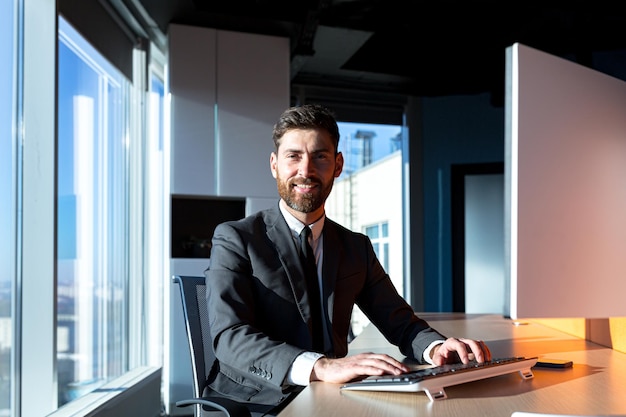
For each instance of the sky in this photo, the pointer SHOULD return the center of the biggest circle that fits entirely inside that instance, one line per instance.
(382, 143)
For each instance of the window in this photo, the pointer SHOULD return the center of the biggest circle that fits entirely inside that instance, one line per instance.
(92, 218)
(8, 202)
(379, 236)
(155, 216)
(363, 144)
(81, 216)
(370, 188)
(368, 196)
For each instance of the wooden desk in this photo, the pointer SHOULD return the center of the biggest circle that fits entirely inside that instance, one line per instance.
(595, 385)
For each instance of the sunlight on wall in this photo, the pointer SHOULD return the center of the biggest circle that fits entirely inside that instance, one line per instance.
(609, 332)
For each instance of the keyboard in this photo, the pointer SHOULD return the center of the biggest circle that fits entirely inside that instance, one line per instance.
(433, 380)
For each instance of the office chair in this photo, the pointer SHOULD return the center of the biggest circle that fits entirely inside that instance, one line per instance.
(192, 293)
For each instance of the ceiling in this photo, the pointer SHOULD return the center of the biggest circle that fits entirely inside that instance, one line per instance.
(409, 47)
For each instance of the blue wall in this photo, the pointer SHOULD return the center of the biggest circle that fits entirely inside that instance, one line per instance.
(459, 130)
(456, 130)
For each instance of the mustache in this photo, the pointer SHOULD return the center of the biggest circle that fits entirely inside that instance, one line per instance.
(305, 181)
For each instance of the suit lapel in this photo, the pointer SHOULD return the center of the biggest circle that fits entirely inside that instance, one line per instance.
(279, 233)
(330, 267)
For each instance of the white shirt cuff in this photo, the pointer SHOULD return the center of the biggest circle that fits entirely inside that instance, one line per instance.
(426, 354)
(300, 372)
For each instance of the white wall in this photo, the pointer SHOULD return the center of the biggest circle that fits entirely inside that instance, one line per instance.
(227, 91)
(193, 90)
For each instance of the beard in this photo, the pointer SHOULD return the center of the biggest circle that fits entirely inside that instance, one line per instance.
(304, 203)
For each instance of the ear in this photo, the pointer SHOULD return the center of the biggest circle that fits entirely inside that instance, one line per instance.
(338, 164)
(273, 162)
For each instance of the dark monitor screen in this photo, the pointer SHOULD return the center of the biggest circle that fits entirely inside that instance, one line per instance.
(194, 219)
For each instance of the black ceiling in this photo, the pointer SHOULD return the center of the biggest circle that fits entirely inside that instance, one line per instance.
(409, 47)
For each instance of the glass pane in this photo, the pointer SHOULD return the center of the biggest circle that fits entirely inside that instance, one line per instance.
(92, 218)
(385, 256)
(8, 202)
(372, 232)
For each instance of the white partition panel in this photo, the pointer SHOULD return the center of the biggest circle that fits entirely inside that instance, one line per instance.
(565, 188)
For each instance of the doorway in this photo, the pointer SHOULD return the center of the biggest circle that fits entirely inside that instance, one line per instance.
(477, 208)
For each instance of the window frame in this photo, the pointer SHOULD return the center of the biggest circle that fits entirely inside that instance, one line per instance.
(36, 279)
(35, 341)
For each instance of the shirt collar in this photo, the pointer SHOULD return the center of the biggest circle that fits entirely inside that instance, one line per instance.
(296, 225)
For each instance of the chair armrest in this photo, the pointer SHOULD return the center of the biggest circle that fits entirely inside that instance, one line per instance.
(231, 407)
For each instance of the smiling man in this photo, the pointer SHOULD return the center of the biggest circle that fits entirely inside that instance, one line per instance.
(262, 311)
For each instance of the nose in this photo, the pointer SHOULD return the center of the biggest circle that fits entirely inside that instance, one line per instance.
(306, 166)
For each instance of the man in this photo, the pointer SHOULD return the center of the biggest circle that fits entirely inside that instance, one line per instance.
(260, 311)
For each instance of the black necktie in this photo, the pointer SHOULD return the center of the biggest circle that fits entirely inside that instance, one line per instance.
(313, 289)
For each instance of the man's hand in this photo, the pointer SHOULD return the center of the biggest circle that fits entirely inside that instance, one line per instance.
(460, 350)
(364, 364)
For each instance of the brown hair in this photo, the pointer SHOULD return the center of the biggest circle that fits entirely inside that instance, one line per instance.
(306, 116)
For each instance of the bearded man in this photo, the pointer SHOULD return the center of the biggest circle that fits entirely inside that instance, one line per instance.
(262, 312)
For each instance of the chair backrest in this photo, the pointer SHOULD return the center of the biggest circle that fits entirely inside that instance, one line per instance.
(193, 295)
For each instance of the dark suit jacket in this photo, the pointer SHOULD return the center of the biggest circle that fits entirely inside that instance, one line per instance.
(259, 312)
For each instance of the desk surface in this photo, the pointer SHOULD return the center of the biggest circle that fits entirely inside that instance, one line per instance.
(595, 385)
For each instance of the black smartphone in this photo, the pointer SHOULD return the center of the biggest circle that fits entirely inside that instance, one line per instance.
(553, 363)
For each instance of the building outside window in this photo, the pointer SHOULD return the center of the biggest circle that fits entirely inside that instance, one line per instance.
(368, 196)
